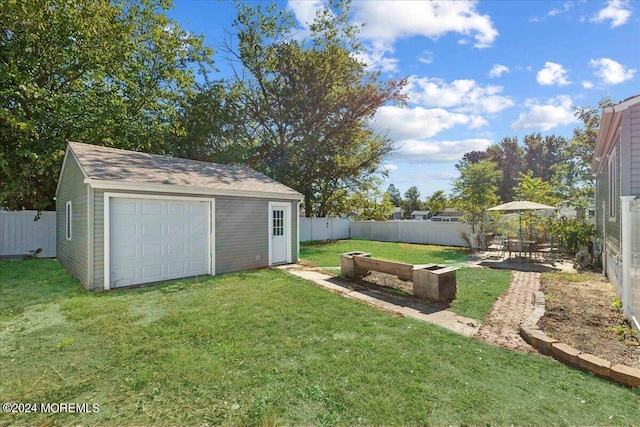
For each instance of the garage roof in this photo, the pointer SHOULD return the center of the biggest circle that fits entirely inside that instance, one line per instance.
(105, 167)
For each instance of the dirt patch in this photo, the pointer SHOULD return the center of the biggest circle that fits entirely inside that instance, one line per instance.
(583, 311)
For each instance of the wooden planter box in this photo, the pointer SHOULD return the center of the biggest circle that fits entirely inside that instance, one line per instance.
(431, 281)
(434, 282)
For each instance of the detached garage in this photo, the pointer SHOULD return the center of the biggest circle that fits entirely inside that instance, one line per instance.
(126, 218)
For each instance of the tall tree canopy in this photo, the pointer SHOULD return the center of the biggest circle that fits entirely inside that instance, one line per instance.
(476, 190)
(394, 195)
(308, 103)
(111, 73)
(437, 202)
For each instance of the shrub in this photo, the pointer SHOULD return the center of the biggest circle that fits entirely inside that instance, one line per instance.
(573, 233)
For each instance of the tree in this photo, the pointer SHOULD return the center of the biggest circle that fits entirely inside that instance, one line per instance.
(368, 203)
(536, 189)
(411, 200)
(582, 145)
(308, 103)
(541, 155)
(471, 157)
(110, 73)
(394, 195)
(437, 202)
(507, 155)
(476, 190)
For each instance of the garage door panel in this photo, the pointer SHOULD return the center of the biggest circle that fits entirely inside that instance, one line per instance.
(155, 240)
(176, 268)
(198, 265)
(152, 208)
(151, 250)
(176, 248)
(151, 230)
(124, 252)
(177, 231)
(153, 271)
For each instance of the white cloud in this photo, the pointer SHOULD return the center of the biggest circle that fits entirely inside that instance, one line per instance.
(422, 151)
(555, 112)
(552, 74)
(498, 70)
(426, 57)
(393, 20)
(463, 95)
(610, 71)
(565, 8)
(389, 168)
(419, 122)
(618, 11)
(388, 21)
(375, 56)
(587, 84)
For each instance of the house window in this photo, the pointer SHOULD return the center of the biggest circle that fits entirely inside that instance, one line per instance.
(67, 222)
(613, 185)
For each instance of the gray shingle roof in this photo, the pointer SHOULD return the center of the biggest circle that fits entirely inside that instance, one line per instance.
(115, 165)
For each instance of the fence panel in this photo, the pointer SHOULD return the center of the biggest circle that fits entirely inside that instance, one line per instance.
(425, 232)
(634, 274)
(323, 229)
(19, 233)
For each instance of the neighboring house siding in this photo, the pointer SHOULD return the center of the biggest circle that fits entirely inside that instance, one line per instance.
(72, 254)
(635, 149)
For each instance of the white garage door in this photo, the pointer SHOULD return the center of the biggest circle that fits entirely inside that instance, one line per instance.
(153, 240)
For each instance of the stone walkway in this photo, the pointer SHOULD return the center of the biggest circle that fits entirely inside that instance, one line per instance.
(501, 326)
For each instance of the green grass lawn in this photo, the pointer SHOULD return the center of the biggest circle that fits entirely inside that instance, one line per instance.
(264, 347)
(478, 288)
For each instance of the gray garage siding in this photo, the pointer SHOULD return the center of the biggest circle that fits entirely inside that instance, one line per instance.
(241, 233)
(72, 254)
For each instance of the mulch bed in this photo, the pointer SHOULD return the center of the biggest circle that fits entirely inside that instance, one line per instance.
(587, 316)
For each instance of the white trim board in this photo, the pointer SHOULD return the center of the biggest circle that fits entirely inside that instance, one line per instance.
(177, 189)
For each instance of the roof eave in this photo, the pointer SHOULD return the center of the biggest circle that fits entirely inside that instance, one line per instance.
(69, 153)
(169, 188)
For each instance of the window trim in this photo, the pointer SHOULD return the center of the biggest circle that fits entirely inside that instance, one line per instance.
(68, 221)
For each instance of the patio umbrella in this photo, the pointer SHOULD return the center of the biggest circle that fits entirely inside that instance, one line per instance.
(519, 206)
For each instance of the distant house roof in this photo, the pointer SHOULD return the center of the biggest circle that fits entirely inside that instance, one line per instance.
(420, 213)
(104, 167)
(449, 213)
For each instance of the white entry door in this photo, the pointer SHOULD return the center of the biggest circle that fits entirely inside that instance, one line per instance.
(152, 240)
(279, 234)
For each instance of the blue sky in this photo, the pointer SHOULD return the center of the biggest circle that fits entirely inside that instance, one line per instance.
(478, 70)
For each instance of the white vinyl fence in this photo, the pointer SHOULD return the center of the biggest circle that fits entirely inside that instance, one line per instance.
(426, 232)
(323, 229)
(19, 233)
(631, 277)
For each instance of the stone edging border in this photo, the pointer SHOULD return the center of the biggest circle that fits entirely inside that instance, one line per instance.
(532, 334)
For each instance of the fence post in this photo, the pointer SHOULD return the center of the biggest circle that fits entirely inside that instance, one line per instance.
(625, 236)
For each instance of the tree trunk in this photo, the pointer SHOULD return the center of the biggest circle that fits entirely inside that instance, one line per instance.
(308, 208)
